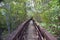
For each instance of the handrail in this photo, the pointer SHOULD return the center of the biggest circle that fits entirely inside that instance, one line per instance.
(44, 33)
(15, 35)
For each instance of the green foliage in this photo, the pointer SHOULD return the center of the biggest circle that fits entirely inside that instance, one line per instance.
(44, 11)
(2, 20)
(49, 14)
(14, 12)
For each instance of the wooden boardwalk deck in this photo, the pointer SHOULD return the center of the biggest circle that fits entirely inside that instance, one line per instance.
(29, 30)
(32, 33)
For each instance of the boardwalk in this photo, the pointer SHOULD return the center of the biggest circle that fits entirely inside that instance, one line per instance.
(32, 32)
(29, 30)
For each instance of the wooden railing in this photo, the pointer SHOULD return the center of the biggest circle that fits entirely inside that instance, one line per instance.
(44, 33)
(18, 33)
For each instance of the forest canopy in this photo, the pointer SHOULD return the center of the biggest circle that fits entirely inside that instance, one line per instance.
(14, 12)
